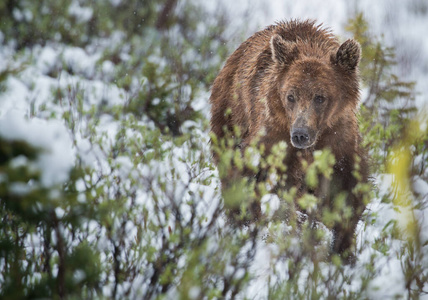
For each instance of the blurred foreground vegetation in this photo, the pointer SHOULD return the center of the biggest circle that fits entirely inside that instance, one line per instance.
(144, 218)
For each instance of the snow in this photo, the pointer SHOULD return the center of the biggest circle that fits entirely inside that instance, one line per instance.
(56, 158)
(46, 60)
(79, 72)
(15, 96)
(22, 15)
(20, 188)
(79, 61)
(83, 14)
(331, 13)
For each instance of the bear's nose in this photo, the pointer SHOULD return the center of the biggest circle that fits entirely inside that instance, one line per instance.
(300, 137)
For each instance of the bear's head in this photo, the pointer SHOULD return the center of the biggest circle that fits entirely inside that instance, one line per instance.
(314, 87)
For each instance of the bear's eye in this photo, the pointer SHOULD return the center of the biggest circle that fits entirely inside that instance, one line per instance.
(290, 98)
(319, 99)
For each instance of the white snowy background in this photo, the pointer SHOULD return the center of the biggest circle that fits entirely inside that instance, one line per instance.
(396, 22)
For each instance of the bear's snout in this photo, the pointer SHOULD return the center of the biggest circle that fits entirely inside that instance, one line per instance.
(301, 137)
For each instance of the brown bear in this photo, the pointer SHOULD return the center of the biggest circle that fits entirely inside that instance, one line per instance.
(295, 82)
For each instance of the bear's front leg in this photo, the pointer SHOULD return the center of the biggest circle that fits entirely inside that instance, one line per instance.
(344, 237)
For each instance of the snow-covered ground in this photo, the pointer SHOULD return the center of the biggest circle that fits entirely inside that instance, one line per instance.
(396, 22)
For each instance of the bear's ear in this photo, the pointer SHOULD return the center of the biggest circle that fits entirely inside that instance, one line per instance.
(348, 55)
(283, 52)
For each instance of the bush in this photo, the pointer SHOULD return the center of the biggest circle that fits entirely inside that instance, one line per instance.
(107, 185)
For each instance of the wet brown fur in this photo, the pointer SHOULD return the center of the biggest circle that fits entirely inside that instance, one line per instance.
(306, 61)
